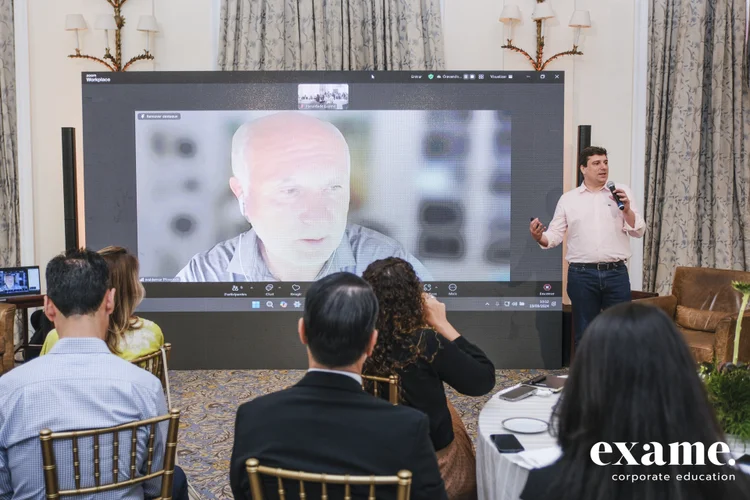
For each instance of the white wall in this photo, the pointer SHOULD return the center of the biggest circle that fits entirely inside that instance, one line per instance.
(186, 42)
(599, 88)
(599, 84)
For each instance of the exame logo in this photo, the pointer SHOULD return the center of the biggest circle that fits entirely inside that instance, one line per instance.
(675, 454)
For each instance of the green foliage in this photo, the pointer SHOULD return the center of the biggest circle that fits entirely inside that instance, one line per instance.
(744, 289)
(729, 393)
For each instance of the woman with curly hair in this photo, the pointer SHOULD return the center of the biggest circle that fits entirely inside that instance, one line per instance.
(128, 336)
(417, 342)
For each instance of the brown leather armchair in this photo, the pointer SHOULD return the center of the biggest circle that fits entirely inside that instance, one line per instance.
(7, 321)
(705, 307)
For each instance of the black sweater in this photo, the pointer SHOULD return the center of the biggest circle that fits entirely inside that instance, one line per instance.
(461, 365)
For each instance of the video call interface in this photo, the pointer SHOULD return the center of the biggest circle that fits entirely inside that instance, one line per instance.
(19, 281)
(237, 192)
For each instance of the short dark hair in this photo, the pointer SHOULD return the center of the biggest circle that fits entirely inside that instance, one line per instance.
(588, 152)
(77, 281)
(340, 314)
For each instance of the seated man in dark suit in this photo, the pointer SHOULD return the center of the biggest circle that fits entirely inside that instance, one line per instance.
(327, 423)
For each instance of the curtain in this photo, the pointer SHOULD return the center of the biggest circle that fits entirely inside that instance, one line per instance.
(10, 243)
(330, 35)
(698, 125)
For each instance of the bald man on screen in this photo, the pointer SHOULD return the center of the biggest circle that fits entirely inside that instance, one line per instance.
(291, 178)
(8, 284)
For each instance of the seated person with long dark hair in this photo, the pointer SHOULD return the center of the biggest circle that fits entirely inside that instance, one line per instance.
(633, 381)
(417, 342)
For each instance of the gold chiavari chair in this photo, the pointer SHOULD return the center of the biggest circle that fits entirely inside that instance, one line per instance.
(402, 481)
(393, 387)
(156, 362)
(49, 460)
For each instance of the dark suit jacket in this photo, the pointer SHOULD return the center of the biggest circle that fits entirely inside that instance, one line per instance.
(328, 424)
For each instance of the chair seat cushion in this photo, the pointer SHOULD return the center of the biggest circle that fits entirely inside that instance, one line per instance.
(701, 344)
(699, 319)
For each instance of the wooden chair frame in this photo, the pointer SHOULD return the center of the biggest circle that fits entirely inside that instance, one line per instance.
(393, 387)
(402, 481)
(51, 481)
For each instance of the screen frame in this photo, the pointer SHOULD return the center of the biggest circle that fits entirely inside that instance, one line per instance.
(235, 340)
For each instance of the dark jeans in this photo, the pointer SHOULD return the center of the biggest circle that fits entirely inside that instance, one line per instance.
(592, 291)
(179, 485)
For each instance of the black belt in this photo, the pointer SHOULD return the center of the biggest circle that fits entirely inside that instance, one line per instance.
(599, 266)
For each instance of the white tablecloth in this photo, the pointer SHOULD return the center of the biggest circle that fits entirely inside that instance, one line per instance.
(502, 476)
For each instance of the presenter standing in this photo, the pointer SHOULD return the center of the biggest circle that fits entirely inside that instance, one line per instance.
(599, 218)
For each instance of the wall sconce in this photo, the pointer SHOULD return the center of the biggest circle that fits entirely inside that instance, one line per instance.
(148, 25)
(114, 22)
(75, 22)
(542, 11)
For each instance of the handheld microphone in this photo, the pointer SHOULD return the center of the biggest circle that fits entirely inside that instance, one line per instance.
(611, 187)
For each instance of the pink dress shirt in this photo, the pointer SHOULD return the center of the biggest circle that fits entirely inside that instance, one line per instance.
(597, 231)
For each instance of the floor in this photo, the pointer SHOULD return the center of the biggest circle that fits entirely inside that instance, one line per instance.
(209, 399)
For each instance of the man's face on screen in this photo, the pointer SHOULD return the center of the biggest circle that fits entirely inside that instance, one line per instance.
(297, 194)
(9, 280)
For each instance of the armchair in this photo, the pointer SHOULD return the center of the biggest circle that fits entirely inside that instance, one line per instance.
(704, 306)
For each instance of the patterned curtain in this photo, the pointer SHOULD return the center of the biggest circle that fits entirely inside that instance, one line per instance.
(330, 35)
(10, 254)
(697, 200)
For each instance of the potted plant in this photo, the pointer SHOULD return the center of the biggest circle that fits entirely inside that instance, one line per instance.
(728, 386)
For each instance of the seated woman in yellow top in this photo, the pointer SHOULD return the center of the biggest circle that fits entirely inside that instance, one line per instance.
(128, 336)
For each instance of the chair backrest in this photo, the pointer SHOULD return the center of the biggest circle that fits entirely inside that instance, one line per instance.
(708, 289)
(393, 386)
(155, 363)
(402, 481)
(49, 460)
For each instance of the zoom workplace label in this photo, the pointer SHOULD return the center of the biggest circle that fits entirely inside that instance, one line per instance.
(653, 453)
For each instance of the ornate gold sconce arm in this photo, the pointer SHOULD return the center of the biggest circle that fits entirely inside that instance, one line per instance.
(511, 14)
(115, 62)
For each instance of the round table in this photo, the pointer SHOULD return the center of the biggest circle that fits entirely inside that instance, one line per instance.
(502, 476)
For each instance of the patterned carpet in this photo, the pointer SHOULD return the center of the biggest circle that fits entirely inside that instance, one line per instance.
(209, 399)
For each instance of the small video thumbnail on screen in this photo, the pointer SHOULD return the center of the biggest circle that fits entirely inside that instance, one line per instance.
(318, 96)
(294, 195)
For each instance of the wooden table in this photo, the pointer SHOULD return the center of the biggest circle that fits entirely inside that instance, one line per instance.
(24, 303)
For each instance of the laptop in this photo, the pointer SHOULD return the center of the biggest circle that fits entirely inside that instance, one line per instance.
(17, 281)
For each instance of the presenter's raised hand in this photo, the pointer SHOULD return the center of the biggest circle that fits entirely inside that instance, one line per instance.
(537, 230)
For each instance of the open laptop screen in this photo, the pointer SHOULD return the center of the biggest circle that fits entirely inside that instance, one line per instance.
(16, 281)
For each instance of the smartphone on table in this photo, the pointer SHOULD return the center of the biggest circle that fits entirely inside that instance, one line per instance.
(507, 443)
(518, 393)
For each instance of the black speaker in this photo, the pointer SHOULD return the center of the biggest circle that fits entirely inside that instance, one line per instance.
(584, 141)
(70, 198)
